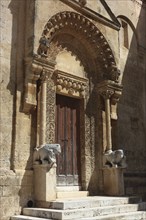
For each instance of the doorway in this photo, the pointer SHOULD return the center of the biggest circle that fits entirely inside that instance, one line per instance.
(67, 134)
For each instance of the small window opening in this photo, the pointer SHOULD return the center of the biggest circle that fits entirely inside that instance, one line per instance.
(125, 34)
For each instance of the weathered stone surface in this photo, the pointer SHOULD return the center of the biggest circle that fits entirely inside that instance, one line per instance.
(86, 210)
(45, 182)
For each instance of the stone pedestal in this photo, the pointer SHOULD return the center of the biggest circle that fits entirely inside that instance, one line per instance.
(113, 181)
(44, 182)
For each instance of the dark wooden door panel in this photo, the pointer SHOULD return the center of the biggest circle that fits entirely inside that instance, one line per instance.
(67, 135)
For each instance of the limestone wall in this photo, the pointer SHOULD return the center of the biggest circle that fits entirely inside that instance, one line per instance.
(15, 143)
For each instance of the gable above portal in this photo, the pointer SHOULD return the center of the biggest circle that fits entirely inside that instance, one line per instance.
(97, 10)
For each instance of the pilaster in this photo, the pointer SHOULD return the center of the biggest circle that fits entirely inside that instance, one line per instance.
(111, 92)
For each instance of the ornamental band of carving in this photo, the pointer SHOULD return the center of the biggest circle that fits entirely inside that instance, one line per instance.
(79, 25)
(50, 108)
(69, 84)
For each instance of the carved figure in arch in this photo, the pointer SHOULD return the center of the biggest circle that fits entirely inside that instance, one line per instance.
(46, 154)
(115, 158)
(43, 48)
(114, 73)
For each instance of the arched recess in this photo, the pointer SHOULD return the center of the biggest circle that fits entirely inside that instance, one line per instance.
(79, 35)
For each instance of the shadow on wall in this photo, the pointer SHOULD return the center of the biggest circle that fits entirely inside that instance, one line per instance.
(94, 114)
(23, 142)
(131, 124)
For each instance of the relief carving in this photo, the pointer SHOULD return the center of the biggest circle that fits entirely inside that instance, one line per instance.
(69, 84)
(80, 26)
(110, 89)
(50, 114)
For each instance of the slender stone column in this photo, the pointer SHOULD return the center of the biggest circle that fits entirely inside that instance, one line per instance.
(107, 95)
(42, 132)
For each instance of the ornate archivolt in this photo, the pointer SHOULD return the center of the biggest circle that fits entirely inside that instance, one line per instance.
(80, 27)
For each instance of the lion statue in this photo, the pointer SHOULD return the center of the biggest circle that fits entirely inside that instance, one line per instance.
(46, 154)
(115, 158)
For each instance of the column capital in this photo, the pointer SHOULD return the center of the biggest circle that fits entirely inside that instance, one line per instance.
(110, 90)
(106, 93)
(45, 74)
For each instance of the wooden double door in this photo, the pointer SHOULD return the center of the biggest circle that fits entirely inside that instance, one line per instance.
(67, 134)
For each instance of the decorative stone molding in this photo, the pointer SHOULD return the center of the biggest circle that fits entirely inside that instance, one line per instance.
(70, 84)
(110, 89)
(97, 17)
(107, 93)
(80, 27)
(37, 68)
(50, 111)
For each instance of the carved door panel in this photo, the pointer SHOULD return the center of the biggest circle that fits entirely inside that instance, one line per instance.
(68, 136)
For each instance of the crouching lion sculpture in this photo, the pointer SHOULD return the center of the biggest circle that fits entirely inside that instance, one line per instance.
(115, 158)
(46, 154)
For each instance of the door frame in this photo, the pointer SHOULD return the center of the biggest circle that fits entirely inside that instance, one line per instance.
(68, 85)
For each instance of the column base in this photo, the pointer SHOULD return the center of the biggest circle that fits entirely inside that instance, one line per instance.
(113, 181)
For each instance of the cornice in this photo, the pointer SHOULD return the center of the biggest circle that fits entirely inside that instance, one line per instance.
(92, 14)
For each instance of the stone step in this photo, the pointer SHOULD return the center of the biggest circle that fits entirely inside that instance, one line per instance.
(140, 215)
(95, 201)
(71, 194)
(82, 212)
(24, 217)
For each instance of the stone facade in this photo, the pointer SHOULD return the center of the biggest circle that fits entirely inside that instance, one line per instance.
(80, 49)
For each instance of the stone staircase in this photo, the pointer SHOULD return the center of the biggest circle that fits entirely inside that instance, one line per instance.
(88, 208)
